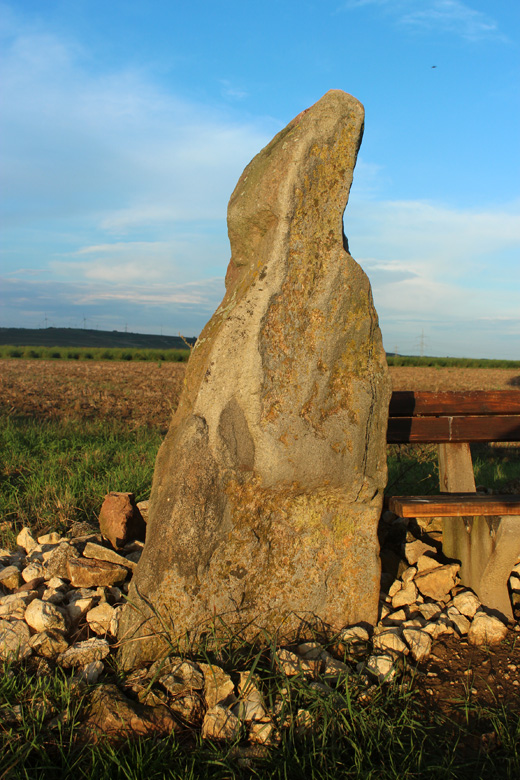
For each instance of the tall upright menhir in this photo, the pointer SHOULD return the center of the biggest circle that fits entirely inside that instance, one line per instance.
(268, 487)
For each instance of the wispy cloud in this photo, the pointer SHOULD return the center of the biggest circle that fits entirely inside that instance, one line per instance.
(434, 268)
(451, 16)
(113, 146)
(232, 91)
(180, 307)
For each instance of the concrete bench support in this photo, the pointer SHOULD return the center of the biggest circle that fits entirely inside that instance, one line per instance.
(487, 547)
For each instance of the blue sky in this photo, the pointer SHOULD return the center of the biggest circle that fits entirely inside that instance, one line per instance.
(125, 126)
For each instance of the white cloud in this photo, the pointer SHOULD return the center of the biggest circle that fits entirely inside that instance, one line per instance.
(430, 239)
(451, 16)
(113, 146)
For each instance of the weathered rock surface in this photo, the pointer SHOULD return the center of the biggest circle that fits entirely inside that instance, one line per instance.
(120, 520)
(89, 572)
(437, 583)
(44, 616)
(115, 715)
(10, 578)
(486, 630)
(220, 724)
(14, 639)
(83, 653)
(268, 488)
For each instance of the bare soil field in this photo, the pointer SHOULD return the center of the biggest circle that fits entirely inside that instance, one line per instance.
(147, 393)
(409, 378)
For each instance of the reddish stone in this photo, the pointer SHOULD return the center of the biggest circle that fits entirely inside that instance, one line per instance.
(120, 521)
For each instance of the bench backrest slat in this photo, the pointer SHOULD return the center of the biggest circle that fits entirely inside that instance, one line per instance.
(453, 429)
(472, 416)
(411, 403)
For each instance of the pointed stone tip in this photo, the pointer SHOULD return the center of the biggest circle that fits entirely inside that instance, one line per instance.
(333, 98)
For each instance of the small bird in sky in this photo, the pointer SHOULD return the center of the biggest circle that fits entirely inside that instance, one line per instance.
(434, 66)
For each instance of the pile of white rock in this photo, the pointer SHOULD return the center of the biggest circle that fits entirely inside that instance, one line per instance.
(63, 598)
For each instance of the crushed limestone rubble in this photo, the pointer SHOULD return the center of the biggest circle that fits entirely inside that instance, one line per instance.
(49, 611)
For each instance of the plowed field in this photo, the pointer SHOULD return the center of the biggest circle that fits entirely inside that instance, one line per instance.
(147, 393)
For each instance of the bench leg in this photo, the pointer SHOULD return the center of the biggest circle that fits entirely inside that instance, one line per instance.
(488, 548)
(456, 468)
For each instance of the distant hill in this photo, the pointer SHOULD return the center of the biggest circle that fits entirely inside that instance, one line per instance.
(82, 337)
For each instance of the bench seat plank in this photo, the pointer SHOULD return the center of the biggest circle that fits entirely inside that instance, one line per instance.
(455, 505)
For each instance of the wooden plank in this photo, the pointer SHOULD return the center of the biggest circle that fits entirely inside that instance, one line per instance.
(411, 403)
(455, 505)
(453, 429)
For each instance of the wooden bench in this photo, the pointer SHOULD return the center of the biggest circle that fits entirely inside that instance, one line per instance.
(481, 531)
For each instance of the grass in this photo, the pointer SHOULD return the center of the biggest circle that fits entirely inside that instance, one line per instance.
(449, 362)
(387, 731)
(413, 468)
(94, 353)
(182, 356)
(53, 473)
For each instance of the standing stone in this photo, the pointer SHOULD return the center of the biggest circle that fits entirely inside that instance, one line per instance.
(268, 487)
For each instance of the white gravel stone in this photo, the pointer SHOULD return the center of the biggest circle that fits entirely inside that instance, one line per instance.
(114, 623)
(354, 634)
(332, 668)
(467, 603)
(10, 577)
(101, 553)
(83, 653)
(251, 705)
(409, 574)
(419, 642)
(57, 583)
(48, 644)
(437, 583)
(14, 639)
(52, 538)
(44, 616)
(430, 611)
(486, 630)
(26, 540)
(414, 550)
(292, 664)
(440, 627)
(460, 623)
(417, 622)
(395, 618)
(262, 732)
(53, 595)
(33, 571)
(77, 608)
(390, 643)
(218, 685)
(91, 672)
(220, 723)
(99, 618)
(184, 679)
(405, 596)
(14, 604)
(310, 651)
(426, 562)
(382, 667)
